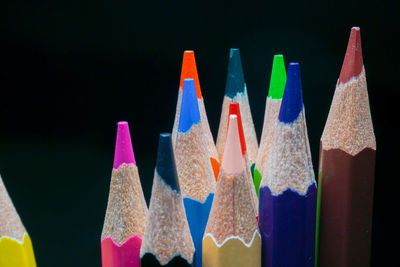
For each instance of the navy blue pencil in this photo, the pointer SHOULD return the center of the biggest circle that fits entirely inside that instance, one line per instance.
(288, 191)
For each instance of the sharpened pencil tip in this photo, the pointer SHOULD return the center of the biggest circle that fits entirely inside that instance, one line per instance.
(292, 102)
(278, 78)
(165, 166)
(189, 70)
(234, 109)
(123, 146)
(232, 160)
(353, 61)
(189, 113)
(235, 79)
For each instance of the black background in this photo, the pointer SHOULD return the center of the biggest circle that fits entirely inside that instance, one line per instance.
(72, 69)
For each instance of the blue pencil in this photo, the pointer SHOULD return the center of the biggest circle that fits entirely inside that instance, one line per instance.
(195, 173)
(288, 191)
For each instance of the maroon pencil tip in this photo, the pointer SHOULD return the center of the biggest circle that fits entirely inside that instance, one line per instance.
(353, 61)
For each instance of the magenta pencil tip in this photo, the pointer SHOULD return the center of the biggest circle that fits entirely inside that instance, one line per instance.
(123, 146)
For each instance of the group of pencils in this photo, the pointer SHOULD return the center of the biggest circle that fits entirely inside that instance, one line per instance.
(240, 202)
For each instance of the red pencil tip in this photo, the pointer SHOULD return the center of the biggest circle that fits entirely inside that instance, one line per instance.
(189, 70)
(353, 61)
(234, 109)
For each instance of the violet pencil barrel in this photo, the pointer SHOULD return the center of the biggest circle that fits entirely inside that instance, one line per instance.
(287, 226)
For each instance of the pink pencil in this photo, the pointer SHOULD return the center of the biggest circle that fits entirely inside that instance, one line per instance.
(126, 210)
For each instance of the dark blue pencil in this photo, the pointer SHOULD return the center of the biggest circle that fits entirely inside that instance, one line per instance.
(288, 190)
(167, 240)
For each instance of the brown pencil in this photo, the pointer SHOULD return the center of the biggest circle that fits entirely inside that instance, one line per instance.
(346, 168)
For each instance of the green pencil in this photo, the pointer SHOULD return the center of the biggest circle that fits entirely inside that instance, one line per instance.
(272, 107)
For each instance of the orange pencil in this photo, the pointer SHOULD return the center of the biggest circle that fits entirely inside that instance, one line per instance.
(189, 70)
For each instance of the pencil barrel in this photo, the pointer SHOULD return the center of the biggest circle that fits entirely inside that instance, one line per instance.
(233, 252)
(197, 216)
(149, 260)
(287, 226)
(124, 255)
(346, 207)
(16, 253)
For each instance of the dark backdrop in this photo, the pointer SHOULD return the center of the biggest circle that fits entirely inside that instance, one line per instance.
(72, 69)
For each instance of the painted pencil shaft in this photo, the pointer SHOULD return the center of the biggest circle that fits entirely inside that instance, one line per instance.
(233, 252)
(15, 253)
(124, 254)
(346, 207)
(346, 168)
(15, 244)
(288, 192)
(125, 218)
(149, 260)
(167, 240)
(287, 226)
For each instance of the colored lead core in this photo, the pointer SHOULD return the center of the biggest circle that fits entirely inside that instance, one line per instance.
(123, 146)
(353, 60)
(189, 71)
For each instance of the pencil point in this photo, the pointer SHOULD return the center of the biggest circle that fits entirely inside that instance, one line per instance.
(165, 165)
(189, 70)
(123, 146)
(278, 78)
(190, 113)
(234, 109)
(353, 61)
(292, 102)
(232, 161)
(235, 79)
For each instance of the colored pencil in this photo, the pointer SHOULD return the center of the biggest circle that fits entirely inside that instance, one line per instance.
(288, 192)
(167, 240)
(236, 91)
(196, 177)
(232, 237)
(15, 244)
(125, 218)
(346, 167)
(189, 70)
(234, 109)
(272, 107)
